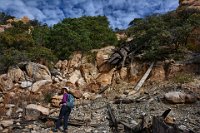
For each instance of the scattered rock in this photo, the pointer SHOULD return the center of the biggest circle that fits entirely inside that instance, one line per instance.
(37, 85)
(179, 97)
(25, 84)
(19, 110)
(6, 123)
(55, 100)
(33, 111)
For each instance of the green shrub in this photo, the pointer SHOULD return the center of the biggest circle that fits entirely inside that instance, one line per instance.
(182, 78)
(169, 30)
(80, 34)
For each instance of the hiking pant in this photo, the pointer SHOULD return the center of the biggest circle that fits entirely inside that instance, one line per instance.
(64, 113)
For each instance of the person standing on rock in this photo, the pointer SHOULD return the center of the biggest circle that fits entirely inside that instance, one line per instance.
(66, 104)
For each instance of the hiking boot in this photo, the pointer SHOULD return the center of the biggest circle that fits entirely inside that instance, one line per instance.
(55, 130)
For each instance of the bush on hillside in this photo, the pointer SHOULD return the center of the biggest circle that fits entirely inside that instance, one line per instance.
(162, 35)
(80, 34)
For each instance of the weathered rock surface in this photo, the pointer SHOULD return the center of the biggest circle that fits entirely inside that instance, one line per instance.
(189, 5)
(33, 111)
(6, 123)
(105, 78)
(179, 97)
(5, 82)
(55, 100)
(38, 71)
(15, 74)
(38, 85)
(102, 56)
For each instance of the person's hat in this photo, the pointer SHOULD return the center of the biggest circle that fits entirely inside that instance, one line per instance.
(67, 88)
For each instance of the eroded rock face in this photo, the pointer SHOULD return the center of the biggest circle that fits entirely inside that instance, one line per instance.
(189, 5)
(6, 83)
(16, 74)
(105, 78)
(88, 71)
(102, 56)
(158, 73)
(38, 71)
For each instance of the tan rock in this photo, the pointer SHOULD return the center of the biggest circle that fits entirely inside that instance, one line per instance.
(123, 73)
(190, 6)
(180, 97)
(39, 108)
(92, 87)
(55, 100)
(89, 72)
(58, 65)
(38, 71)
(175, 97)
(105, 78)
(16, 74)
(76, 93)
(75, 60)
(38, 85)
(137, 70)
(102, 56)
(158, 73)
(5, 82)
(74, 76)
(80, 82)
(6, 123)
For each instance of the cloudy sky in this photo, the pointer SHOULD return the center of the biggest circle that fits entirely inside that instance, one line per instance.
(119, 12)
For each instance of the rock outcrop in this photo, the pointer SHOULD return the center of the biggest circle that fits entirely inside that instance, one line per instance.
(189, 6)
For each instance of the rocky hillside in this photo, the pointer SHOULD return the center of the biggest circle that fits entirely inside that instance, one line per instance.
(115, 89)
(29, 93)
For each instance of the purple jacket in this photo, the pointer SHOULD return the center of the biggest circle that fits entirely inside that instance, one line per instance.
(64, 99)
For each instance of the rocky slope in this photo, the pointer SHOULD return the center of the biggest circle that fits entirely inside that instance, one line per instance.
(29, 91)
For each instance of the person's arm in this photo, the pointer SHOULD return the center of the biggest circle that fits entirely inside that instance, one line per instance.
(64, 99)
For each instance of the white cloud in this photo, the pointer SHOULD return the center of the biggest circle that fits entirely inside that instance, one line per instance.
(119, 12)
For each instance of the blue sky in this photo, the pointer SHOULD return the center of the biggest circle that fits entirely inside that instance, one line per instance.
(119, 12)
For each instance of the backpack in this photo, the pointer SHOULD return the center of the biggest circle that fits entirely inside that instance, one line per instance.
(70, 101)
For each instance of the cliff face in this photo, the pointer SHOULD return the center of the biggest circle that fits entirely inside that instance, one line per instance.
(189, 6)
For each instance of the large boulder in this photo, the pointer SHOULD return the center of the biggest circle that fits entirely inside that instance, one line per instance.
(6, 83)
(38, 71)
(33, 111)
(38, 85)
(15, 74)
(105, 79)
(179, 97)
(74, 76)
